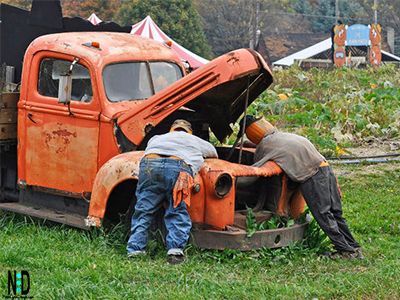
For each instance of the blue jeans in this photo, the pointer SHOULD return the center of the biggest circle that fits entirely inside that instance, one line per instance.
(157, 177)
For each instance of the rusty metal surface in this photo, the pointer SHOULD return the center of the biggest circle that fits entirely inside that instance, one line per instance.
(268, 169)
(58, 147)
(206, 206)
(219, 72)
(60, 154)
(236, 238)
(115, 46)
(120, 168)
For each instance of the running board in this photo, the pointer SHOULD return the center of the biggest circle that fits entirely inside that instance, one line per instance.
(70, 219)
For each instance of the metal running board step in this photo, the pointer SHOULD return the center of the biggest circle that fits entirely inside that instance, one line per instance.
(47, 214)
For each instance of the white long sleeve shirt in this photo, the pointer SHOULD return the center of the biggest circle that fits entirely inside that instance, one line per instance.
(190, 148)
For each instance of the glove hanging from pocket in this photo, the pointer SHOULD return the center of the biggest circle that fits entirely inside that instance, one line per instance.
(182, 189)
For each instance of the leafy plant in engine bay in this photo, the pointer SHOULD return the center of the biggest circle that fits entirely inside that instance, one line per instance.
(274, 222)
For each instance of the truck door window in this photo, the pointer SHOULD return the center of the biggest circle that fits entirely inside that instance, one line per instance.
(132, 81)
(49, 75)
(164, 74)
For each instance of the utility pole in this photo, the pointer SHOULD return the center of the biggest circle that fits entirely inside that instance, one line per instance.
(375, 11)
(257, 21)
(337, 12)
(253, 41)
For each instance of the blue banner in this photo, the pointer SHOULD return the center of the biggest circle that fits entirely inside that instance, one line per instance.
(357, 35)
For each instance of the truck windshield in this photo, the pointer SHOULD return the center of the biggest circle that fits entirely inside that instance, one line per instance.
(138, 80)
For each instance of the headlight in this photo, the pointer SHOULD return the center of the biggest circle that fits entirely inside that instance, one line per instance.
(223, 185)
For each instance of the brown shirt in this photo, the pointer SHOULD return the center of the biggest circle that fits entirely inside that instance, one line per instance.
(296, 155)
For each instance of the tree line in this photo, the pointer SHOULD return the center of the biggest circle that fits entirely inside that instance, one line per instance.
(212, 27)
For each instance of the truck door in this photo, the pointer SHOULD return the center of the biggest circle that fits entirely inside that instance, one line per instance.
(59, 144)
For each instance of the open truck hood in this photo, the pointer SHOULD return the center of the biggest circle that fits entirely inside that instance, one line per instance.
(218, 90)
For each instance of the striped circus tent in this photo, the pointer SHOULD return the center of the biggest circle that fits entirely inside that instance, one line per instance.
(94, 19)
(149, 29)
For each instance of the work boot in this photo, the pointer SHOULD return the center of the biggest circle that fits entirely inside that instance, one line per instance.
(175, 256)
(359, 253)
(346, 255)
(136, 253)
(175, 259)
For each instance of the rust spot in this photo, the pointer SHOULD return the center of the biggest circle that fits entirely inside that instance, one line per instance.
(232, 58)
(64, 132)
(148, 128)
(47, 138)
(58, 139)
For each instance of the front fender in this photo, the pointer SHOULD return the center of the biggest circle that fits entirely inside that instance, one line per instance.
(118, 169)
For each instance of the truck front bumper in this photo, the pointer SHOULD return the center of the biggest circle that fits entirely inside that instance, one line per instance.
(236, 238)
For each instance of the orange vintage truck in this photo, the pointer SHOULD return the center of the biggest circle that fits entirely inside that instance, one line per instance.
(88, 104)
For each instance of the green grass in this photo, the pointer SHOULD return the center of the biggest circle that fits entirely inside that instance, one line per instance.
(65, 263)
(334, 108)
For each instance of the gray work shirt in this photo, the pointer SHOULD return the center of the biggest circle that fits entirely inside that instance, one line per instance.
(190, 148)
(296, 155)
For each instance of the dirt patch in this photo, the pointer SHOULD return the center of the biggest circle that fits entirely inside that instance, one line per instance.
(375, 147)
(366, 169)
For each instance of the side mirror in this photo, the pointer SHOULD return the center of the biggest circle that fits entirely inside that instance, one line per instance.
(65, 89)
(65, 85)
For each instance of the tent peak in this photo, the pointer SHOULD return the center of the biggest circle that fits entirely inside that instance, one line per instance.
(94, 19)
(149, 29)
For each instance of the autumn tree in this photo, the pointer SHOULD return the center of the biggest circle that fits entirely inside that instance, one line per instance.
(227, 24)
(24, 4)
(177, 18)
(388, 16)
(104, 9)
(230, 24)
(321, 13)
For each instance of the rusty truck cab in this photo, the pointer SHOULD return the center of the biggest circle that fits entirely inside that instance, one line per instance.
(61, 148)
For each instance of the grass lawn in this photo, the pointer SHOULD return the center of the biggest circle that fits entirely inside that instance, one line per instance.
(65, 263)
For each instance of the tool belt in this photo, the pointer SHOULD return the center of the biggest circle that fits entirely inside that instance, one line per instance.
(184, 183)
(153, 155)
(182, 189)
(324, 164)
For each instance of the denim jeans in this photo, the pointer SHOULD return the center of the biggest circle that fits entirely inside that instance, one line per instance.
(157, 177)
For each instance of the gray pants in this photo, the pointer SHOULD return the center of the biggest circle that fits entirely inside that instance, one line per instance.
(323, 198)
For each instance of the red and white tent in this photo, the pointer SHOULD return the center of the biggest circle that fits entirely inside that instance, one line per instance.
(147, 28)
(94, 19)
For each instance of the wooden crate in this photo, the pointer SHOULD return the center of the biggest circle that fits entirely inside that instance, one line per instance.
(8, 100)
(8, 131)
(8, 115)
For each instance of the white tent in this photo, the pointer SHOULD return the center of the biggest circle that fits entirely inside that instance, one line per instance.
(319, 48)
(147, 28)
(94, 19)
